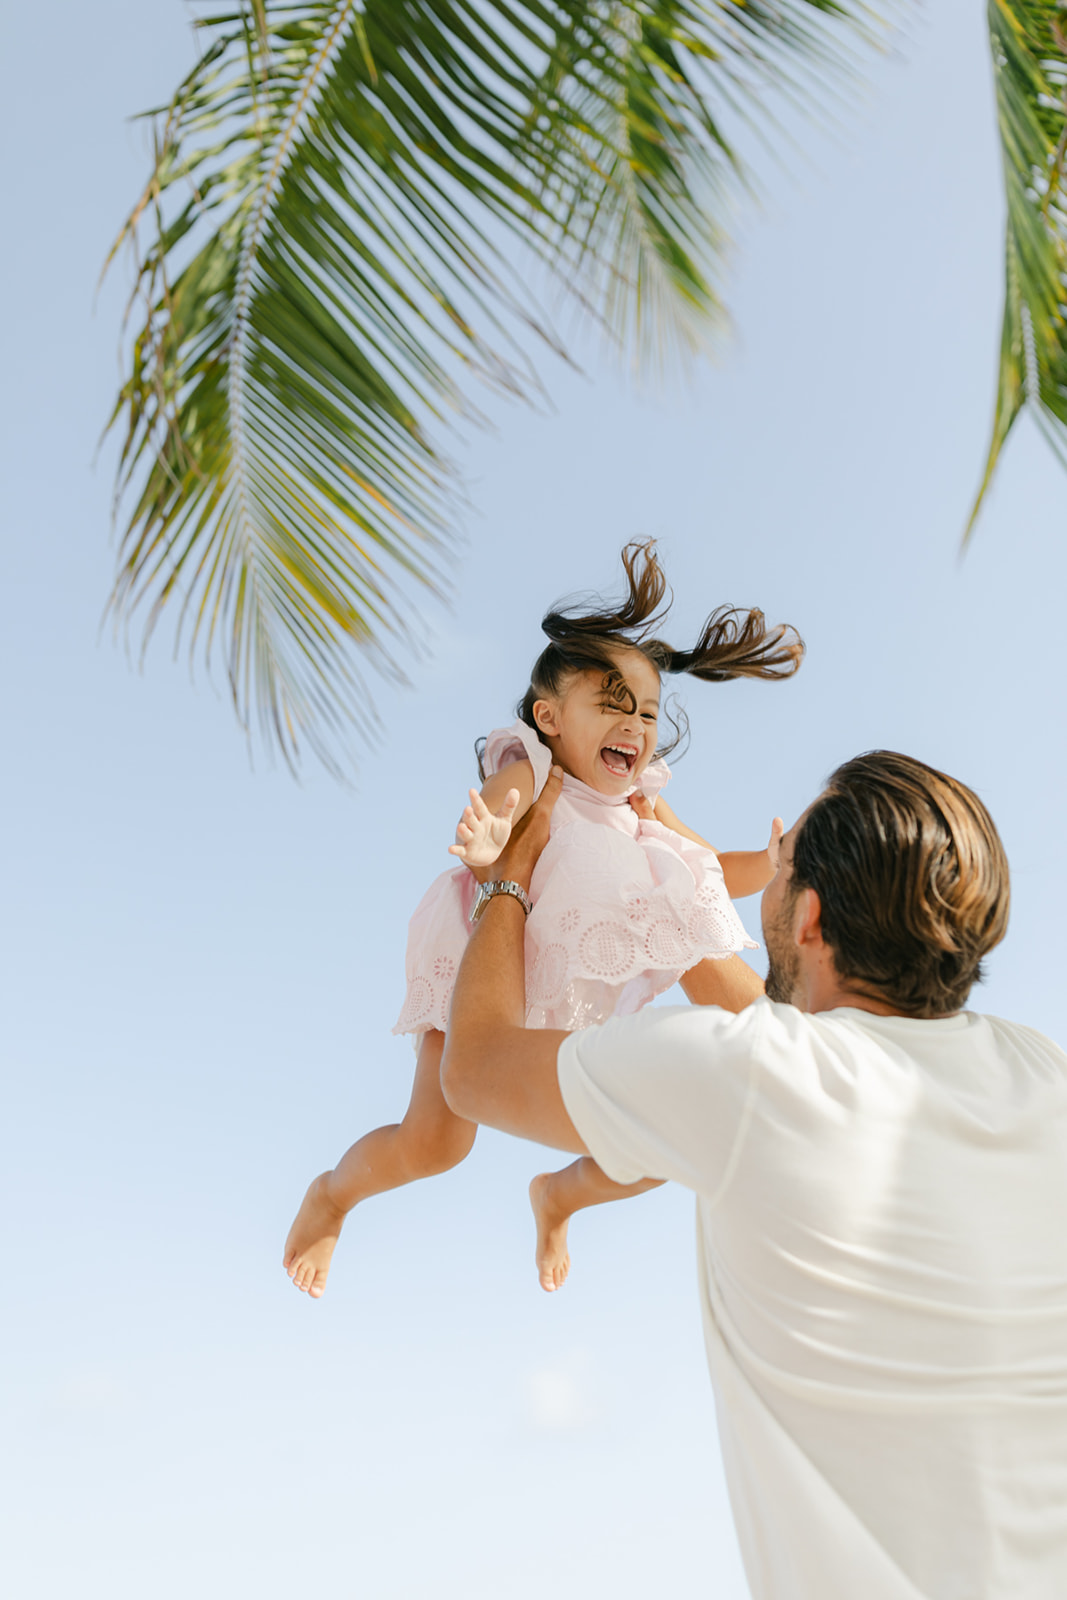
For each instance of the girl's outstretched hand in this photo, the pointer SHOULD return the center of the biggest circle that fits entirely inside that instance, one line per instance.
(481, 833)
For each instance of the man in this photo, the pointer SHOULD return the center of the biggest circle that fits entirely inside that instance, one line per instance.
(881, 1182)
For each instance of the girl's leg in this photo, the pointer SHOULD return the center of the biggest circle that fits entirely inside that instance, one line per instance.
(430, 1139)
(556, 1196)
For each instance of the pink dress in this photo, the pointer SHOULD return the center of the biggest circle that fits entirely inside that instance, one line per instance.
(621, 907)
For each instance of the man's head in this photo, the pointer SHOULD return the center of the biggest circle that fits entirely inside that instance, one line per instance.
(901, 875)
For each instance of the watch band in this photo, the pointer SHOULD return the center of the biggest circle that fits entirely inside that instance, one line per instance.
(486, 892)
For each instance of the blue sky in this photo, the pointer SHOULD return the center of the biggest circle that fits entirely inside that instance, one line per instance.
(204, 961)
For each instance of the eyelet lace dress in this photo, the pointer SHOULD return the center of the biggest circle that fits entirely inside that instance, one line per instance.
(621, 907)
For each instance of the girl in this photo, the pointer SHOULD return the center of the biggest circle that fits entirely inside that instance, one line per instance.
(625, 899)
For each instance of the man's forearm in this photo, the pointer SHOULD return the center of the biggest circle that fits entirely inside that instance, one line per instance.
(495, 1070)
(490, 990)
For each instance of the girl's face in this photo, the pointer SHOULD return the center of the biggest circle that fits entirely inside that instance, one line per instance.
(597, 741)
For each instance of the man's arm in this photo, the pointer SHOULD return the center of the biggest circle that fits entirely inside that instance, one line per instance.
(495, 1070)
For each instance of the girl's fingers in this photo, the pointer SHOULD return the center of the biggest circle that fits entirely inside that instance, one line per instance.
(511, 800)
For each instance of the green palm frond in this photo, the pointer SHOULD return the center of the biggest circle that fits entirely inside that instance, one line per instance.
(326, 266)
(1029, 47)
(660, 166)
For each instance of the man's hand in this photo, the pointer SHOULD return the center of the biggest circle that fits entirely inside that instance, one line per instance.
(530, 834)
(643, 806)
(481, 834)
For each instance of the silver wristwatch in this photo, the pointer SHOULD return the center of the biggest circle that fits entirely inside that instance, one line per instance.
(486, 891)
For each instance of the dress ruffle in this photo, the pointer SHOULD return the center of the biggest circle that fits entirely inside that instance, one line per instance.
(621, 908)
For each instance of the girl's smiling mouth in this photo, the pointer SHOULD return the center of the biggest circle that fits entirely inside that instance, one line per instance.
(619, 758)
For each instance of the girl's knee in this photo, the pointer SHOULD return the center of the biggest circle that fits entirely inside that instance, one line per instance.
(439, 1146)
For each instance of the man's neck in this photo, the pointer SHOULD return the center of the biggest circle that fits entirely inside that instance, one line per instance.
(821, 989)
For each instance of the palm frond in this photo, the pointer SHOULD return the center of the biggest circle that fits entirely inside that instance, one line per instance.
(1029, 49)
(328, 272)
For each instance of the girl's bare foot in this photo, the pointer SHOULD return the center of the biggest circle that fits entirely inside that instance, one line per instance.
(553, 1260)
(310, 1245)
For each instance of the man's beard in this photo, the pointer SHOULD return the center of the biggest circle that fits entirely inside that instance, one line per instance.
(780, 984)
(783, 962)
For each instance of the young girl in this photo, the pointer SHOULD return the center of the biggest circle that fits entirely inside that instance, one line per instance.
(625, 898)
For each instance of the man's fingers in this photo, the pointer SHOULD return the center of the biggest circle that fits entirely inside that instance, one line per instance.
(540, 812)
(530, 834)
(549, 795)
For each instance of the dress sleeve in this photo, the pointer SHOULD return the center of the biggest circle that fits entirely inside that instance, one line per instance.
(664, 1094)
(655, 777)
(517, 743)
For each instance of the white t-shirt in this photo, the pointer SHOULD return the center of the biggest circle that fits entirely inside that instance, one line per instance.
(882, 1235)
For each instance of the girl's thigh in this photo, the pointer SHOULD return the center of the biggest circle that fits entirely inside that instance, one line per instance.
(429, 1111)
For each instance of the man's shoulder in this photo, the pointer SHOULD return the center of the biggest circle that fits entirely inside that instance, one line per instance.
(1020, 1036)
(658, 1035)
(763, 1019)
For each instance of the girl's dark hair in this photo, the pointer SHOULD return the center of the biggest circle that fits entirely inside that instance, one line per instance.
(585, 635)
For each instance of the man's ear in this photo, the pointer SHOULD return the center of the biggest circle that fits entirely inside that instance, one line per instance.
(807, 918)
(544, 714)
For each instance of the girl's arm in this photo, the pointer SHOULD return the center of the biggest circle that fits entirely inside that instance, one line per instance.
(745, 871)
(485, 826)
(663, 813)
(750, 871)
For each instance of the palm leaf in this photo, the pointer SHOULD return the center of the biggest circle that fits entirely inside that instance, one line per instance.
(1029, 51)
(326, 259)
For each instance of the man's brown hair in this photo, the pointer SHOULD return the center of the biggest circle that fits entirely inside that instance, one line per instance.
(912, 878)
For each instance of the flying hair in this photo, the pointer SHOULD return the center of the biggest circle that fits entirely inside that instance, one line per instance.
(587, 634)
